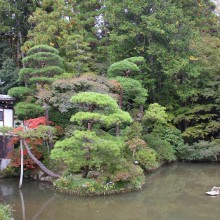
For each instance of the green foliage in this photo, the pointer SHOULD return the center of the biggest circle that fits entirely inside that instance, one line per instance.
(123, 68)
(42, 63)
(95, 100)
(143, 155)
(102, 109)
(147, 159)
(20, 93)
(81, 117)
(161, 52)
(10, 172)
(154, 116)
(8, 75)
(58, 118)
(74, 150)
(161, 33)
(129, 173)
(134, 130)
(103, 184)
(62, 90)
(205, 20)
(118, 117)
(14, 28)
(136, 60)
(203, 151)
(5, 212)
(134, 94)
(46, 58)
(42, 48)
(106, 120)
(164, 149)
(201, 120)
(49, 25)
(77, 54)
(172, 135)
(26, 110)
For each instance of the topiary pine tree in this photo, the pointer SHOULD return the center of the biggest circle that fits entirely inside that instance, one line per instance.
(86, 148)
(125, 67)
(131, 93)
(100, 108)
(41, 65)
(130, 90)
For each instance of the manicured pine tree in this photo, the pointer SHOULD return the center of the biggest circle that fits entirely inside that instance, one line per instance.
(130, 90)
(85, 146)
(100, 108)
(42, 63)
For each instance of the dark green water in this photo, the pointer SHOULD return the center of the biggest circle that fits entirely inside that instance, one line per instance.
(174, 192)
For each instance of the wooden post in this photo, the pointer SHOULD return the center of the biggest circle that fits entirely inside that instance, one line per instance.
(22, 164)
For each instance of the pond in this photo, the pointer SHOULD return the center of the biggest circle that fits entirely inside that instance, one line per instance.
(172, 192)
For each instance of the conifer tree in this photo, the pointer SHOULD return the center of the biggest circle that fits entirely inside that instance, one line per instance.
(42, 63)
(86, 147)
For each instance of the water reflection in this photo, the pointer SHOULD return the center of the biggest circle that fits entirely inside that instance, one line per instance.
(6, 190)
(173, 192)
(22, 204)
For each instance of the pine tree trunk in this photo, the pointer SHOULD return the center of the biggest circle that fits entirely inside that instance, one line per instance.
(47, 171)
(86, 171)
(89, 125)
(117, 130)
(120, 99)
(20, 42)
(141, 112)
(47, 116)
(86, 167)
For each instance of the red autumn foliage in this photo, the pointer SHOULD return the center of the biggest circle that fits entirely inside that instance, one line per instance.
(13, 141)
(28, 162)
(36, 122)
(15, 155)
(32, 123)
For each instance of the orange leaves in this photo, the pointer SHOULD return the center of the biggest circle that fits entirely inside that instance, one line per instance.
(13, 141)
(35, 122)
(28, 162)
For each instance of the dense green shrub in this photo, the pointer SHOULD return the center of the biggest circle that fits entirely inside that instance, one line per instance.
(8, 75)
(20, 92)
(10, 172)
(132, 131)
(73, 151)
(154, 116)
(26, 110)
(5, 212)
(143, 155)
(172, 135)
(203, 151)
(147, 159)
(126, 173)
(58, 118)
(165, 152)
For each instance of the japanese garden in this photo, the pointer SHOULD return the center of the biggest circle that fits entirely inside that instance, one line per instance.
(101, 98)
